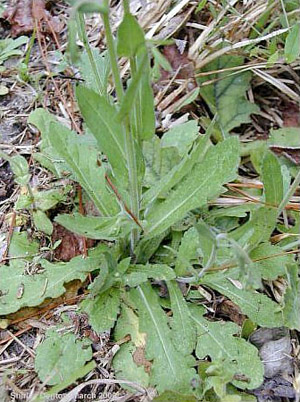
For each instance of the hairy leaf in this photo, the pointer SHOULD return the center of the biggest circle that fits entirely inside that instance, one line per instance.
(217, 340)
(227, 95)
(95, 227)
(102, 66)
(53, 356)
(203, 183)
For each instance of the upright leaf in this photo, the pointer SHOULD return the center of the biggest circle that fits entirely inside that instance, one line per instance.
(203, 183)
(292, 44)
(176, 174)
(100, 117)
(130, 36)
(170, 370)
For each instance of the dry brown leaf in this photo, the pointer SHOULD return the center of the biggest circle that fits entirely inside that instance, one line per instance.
(71, 244)
(23, 16)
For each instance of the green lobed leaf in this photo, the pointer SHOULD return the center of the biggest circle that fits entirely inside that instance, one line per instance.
(18, 289)
(217, 340)
(138, 273)
(227, 95)
(103, 309)
(170, 370)
(53, 356)
(203, 183)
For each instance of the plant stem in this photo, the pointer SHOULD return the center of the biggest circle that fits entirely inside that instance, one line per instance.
(84, 38)
(113, 57)
(130, 148)
(289, 193)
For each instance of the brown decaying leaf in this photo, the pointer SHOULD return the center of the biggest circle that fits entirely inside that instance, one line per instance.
(71, 244)
(228, 309)
(178, 61)
(23, 16)
(291, 115)
(140, 359)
